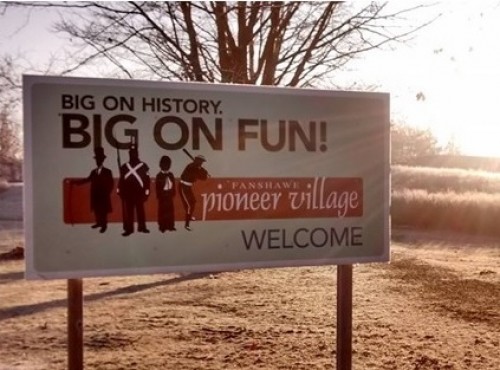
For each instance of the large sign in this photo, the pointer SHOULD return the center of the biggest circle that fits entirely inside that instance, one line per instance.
(132, 177)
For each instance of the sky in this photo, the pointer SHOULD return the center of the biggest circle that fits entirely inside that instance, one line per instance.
(454, 63)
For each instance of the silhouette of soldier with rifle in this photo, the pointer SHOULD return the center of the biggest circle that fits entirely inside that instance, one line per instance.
(133, 188)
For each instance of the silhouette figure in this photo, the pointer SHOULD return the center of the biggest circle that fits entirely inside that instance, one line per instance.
(101, 186)
(165, 192)
(133, 188)
(193, 172)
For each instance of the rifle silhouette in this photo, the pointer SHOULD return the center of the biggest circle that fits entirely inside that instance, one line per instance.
(118, 159)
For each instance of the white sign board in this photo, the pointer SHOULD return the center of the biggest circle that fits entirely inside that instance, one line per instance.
(133, 177)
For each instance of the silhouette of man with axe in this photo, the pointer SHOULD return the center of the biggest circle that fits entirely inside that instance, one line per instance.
(192, 172)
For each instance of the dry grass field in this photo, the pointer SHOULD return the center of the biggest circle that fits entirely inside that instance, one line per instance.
(434, 307)
(446, 199)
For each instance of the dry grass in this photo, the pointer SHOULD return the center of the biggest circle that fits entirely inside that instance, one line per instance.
(470, 300)
(446, 199)
(437, 180)
(475, 213)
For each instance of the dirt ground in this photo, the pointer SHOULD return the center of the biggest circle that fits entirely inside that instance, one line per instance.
(436, 306)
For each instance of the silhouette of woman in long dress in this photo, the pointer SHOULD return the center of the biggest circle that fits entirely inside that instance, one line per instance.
(165, 192)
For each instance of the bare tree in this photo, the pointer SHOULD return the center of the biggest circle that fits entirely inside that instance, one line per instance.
(267, 43)
(10, 84)
(10, 130)
(10, 145)
(409, 143)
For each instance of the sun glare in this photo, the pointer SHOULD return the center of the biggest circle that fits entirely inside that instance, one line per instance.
(446, 79)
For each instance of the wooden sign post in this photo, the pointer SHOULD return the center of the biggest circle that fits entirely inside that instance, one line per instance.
(344, 317)
(75, 324)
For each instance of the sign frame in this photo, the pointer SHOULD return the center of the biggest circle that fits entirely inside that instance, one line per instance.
(283, 99)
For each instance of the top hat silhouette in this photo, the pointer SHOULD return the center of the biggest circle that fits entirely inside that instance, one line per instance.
(99, 153)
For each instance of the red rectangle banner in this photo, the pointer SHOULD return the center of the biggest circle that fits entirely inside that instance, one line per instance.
(235, 199)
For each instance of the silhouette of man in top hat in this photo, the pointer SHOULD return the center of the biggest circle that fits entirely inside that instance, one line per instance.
(193, 172)
(101, 186)
(133, 188)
